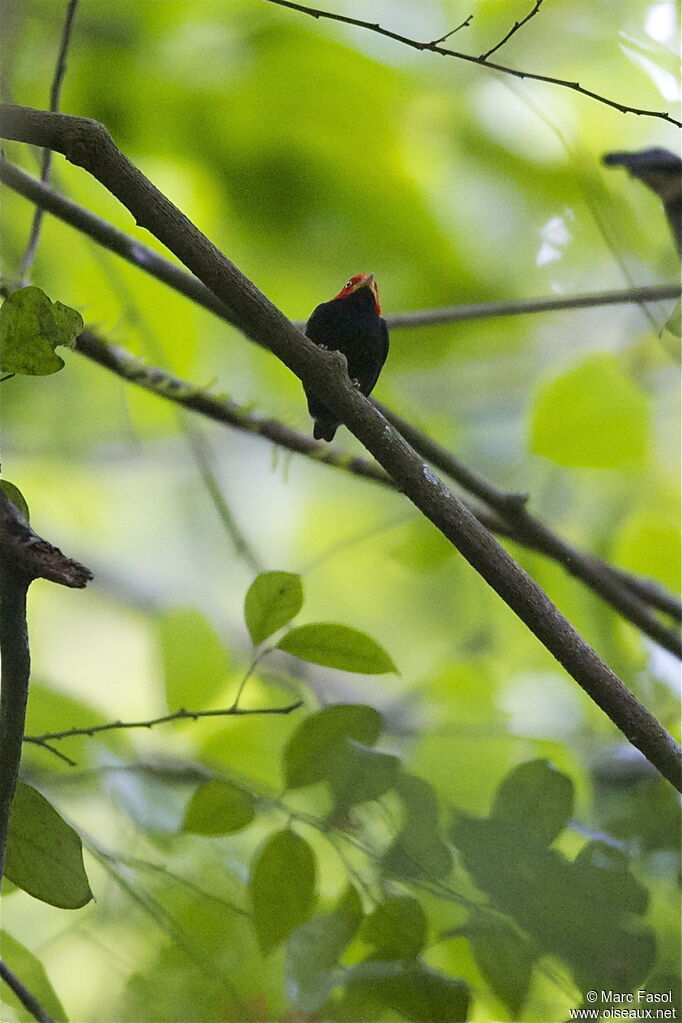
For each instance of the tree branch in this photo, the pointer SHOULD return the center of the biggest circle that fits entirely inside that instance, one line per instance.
(164, 270)
(178, 715)
(55, 95)
(24, 556)
(225, 411)
(88, 144)
(628, 594)
(435, 47)
(29, 1001)
(220, 408)
(533, 533)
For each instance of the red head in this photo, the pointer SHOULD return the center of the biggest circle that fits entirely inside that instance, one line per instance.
(360, 281)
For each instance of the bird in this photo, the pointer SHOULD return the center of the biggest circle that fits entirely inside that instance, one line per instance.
(350, 323)
(661, 170)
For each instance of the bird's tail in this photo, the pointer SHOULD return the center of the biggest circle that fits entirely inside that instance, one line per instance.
(325, 429)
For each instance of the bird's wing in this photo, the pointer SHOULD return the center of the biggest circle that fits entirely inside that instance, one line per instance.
(381, 356)
(318, 320)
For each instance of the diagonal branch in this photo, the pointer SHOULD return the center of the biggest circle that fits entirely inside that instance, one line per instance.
(435, 47)
(145, 258)
(627, 594)
(225, 411)
(88, 144)
(28, 1000)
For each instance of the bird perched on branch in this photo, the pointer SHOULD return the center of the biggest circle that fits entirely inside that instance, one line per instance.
(662, 172)
(351, 323)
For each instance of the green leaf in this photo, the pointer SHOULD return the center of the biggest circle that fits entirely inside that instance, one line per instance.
(337, 646)
(16, 497)
(313, 953)
(32, 975)
(195, 662)
(31, 327)
(359, 773)
(584, 912)
(44, 854)
(504, 955)
(282, 887)
(314, 746)
(397, 927)
(535, 798)
(273, 599)
(593, 416)
(418, 848)
(218, 808)
(414, 990)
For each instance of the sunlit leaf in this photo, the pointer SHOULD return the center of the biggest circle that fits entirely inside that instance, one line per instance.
(282, 887)
(31, 327)
(593, 416)
(273, 599)
(337, 646)
(44, 853)
(195, 662)
(218, 808)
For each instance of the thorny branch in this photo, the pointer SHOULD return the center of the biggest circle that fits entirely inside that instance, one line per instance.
(435, 47)
(88, 144)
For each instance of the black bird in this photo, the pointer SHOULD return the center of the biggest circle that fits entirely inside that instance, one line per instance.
(351, 323)
(662, 172)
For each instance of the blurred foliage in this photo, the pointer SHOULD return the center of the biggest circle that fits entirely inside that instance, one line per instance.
(310, 151)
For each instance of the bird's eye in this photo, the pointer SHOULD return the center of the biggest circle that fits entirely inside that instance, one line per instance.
(348, 284)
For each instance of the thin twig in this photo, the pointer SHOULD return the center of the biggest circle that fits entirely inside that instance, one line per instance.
(434, 47)
(524, 306)
(178, 715)
(46, 165)
(202, 456)
(29, 1001)
(88, 144)
(465, 24)
(513, 30)
(145, 258)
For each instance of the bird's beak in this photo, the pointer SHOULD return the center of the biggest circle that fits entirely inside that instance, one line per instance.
(368, 282)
